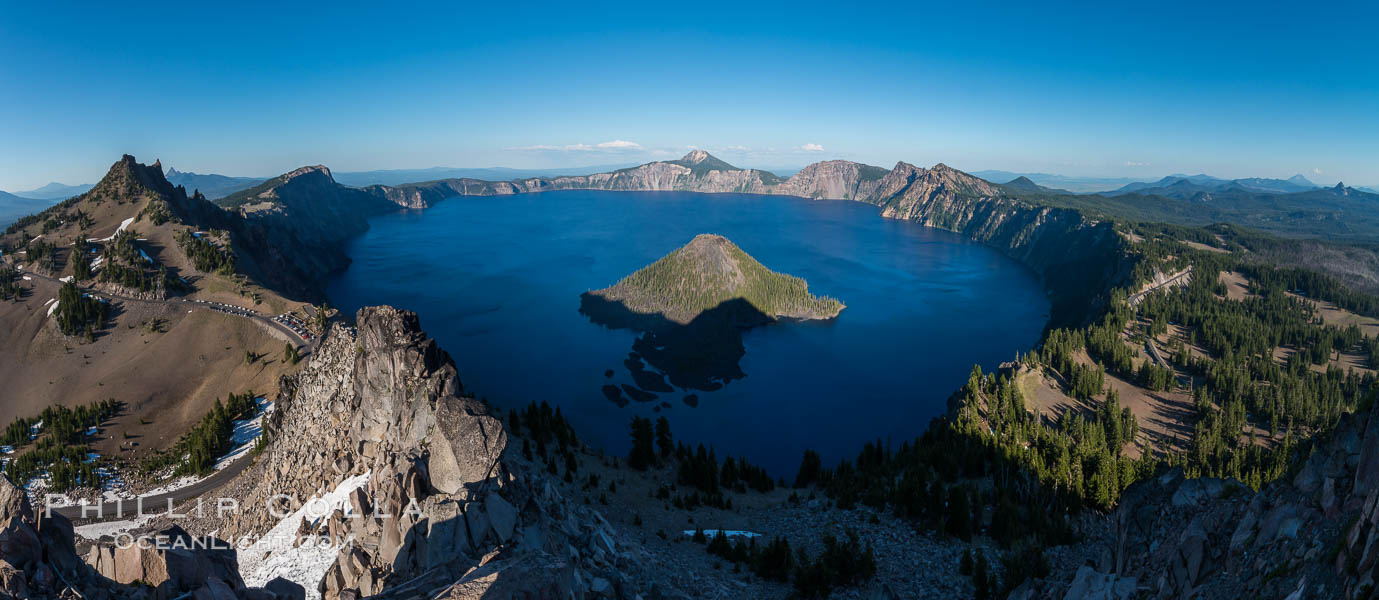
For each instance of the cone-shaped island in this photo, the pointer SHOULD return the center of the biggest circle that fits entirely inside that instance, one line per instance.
(707, 273)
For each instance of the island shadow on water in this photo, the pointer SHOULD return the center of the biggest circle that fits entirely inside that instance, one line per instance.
(704, 354)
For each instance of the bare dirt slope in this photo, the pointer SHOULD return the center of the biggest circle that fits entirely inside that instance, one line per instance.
(168, 379)
(1237, 285)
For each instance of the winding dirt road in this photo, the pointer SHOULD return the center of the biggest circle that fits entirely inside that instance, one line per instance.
(190, 304)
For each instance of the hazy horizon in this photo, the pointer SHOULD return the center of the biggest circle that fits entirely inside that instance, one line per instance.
(783, 170)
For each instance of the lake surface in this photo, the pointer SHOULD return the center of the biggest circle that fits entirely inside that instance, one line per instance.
(497, 281)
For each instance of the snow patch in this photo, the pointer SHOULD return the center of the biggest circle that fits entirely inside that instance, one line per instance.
(274, 556)
(123, 225)
(246, 433)
(94, 531)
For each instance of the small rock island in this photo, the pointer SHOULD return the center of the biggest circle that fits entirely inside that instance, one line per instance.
(708, 273)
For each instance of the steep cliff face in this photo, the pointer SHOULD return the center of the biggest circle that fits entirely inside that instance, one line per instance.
(1079, 260)
(297, 224)
(833, 180)
(427, 194)
(659, 176)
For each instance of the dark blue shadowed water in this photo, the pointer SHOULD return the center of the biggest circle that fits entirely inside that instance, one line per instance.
(497, 281)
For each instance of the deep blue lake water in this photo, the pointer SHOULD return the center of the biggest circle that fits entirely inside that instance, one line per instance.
(497, 281)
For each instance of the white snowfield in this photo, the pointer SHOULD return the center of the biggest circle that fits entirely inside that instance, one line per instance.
(94, 531)
(274, 556)
(123, 225)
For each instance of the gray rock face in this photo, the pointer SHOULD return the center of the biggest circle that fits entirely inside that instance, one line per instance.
(465, 445)
(1091, 585)
(174, 563)
(531, 576)
(501, 515)
(19, 543)
(399, 377)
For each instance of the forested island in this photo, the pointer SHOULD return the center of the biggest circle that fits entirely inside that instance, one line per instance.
(707, 272)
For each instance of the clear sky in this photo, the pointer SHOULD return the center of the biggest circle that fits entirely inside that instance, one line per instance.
(1105, 88)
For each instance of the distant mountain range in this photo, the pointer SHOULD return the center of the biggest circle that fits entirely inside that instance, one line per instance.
(13, 207)
(1186, 187)
(56, 191)
(1077, 185)
(212, 186)
(1174, 186)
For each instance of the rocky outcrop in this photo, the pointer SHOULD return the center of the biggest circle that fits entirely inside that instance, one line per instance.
(1314, 535)
(172, 562)
(447, 511)
(39, 560)
(23, 568)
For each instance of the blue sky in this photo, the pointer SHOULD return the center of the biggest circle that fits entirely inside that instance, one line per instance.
(1146, 89)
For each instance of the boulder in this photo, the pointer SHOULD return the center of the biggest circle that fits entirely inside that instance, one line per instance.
(1244, 532)
(1089, 584)
(465, 445)
(502, 516)
(214, 589)
(447, 536)
(477, 522)
(171, 556)
(283, 589)
(19, 543)
(1192, 547)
